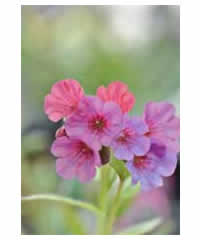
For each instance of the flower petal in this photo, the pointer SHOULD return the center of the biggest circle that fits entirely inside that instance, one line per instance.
(158, 112)
(59, 148)
(63, 99)
(123, 153)
(65, 168)
(86, 171)
(139, 125)
(117, 92)
(141, 145)
(167, 164)
(151, 181)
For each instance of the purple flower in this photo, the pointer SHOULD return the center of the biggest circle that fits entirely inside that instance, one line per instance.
(164, 126)
(96, 120)
(130, 140)
(75, 158)
(149, 169)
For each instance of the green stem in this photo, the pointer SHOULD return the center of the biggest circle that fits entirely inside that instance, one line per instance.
(113, 210)
(72, 202)
(103, 198)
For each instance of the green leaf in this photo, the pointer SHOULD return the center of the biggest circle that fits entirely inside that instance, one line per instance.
(142, 228)
(120, 169)
(61, 199)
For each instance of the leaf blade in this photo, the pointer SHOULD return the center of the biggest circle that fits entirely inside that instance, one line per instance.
(142, 228)
(120, 169)
(57, 198)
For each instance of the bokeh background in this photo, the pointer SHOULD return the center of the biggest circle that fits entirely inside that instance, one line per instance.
(95, 45)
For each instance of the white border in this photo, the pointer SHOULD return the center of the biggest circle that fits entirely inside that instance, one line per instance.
(101, 2)
(190, 120)
(10, 119)
(100, 237)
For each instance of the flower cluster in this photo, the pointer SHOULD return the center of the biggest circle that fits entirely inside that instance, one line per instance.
(148, 145)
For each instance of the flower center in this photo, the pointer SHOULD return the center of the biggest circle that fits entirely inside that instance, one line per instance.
(140, 162)
(148, 134)
(85, 149)
(124, 135)
(97, 123)
(84, 153)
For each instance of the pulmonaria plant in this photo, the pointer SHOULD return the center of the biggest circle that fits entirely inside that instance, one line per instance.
(146, 145)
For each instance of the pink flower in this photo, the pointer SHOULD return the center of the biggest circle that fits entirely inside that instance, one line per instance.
(97, 121)
(164, 126)
(118, 93)
(63, 99)
(75, 158)
(130, 140)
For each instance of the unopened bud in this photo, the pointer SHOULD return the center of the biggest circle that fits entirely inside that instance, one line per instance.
(105, 155)
(61, 132)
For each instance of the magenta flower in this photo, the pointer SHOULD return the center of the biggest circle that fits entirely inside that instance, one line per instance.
(63, 99)
(164, 126)
(118, 93)
(75, 158)
(130, 140)
(149, 169)
(97, 121)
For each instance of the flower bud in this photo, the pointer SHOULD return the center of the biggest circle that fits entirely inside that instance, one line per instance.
(61, 132)
(104, 155)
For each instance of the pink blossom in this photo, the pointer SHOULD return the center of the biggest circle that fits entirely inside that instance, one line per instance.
(75, 158)
(63, 99)
(164, 126)
(117, 92)
(96, 120)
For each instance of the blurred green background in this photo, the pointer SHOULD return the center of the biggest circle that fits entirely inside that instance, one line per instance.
(95, 45)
